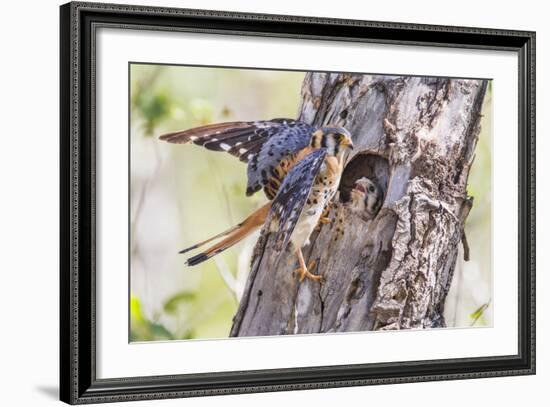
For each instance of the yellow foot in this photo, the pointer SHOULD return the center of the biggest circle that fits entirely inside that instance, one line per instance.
(304, 272)
(323, 220)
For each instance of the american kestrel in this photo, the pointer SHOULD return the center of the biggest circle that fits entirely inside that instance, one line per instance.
(298, 166)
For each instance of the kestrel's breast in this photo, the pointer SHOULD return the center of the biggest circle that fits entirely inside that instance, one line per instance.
(322, 192)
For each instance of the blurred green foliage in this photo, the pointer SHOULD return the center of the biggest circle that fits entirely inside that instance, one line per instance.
(143, 329)
(476, 277)
(479, 313)
(153, 107)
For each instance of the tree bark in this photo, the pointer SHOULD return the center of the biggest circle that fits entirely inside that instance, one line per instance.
(415, 137)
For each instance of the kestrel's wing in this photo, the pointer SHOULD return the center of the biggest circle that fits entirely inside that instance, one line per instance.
(290, 200)
(286, 140)
(261, 144)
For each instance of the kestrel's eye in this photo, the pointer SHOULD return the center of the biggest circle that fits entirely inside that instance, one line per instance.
(371, 188)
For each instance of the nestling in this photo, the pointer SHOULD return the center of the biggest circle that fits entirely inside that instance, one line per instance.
(366, 198)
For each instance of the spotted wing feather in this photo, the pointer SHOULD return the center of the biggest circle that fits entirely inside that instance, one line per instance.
(292, 196)
(236, 138)
(261, 144)
(287, 139)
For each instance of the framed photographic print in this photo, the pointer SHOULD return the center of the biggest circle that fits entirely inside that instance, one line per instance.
(259, 203)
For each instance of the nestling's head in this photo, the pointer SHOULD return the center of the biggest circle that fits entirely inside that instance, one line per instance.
(336, 140)
(366, 197)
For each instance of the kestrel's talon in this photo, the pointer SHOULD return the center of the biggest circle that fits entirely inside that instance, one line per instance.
(313, 277)
(304, 272)
(322, 221)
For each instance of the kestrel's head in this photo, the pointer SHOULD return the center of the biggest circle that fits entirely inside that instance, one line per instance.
(336, 140)
(366, 196)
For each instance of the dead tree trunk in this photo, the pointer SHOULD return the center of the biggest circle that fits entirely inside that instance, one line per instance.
(415, 137)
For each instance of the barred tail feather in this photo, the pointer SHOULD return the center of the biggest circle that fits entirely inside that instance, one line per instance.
(197, 245)
(234, 235)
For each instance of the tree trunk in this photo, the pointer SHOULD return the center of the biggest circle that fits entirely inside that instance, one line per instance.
(415, 137)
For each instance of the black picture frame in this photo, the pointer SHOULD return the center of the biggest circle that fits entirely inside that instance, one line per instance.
(78, 382)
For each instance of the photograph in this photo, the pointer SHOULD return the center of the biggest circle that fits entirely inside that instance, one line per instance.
(288, 202)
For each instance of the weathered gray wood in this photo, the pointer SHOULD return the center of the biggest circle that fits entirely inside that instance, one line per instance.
(416, 137)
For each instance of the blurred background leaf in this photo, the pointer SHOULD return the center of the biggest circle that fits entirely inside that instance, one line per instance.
(171, 305)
